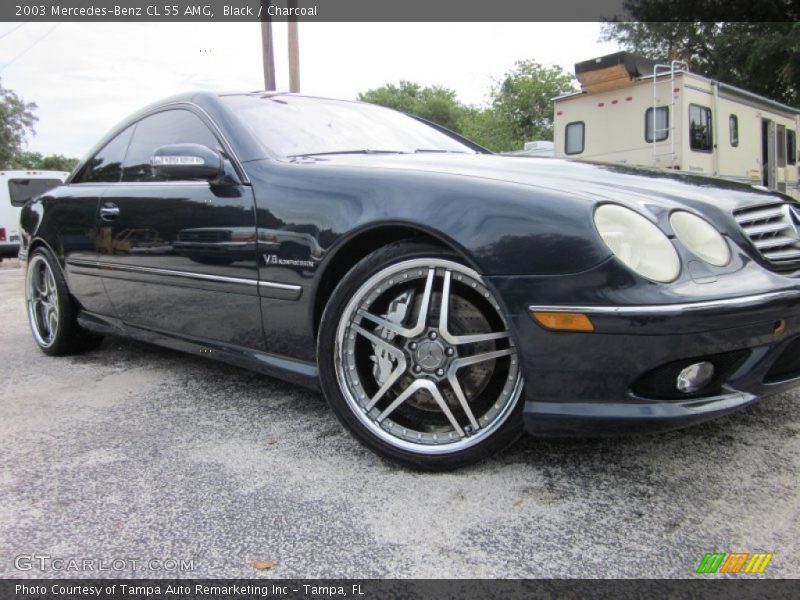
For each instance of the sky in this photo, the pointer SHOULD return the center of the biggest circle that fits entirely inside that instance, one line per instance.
(86, 77)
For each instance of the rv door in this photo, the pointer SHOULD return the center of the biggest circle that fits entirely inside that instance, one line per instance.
(780, 158)
(768, 174)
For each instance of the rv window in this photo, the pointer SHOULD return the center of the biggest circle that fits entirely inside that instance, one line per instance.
(700, 132)
(662, 124)
(22, 190)
(780, 142)
(733, 125)
(791, 147)
(574, 138)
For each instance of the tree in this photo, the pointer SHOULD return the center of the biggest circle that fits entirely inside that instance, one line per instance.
(520, 110)
(52, 162)
(746, 51)
(523, 101)
(487, 127)
(16, 121)
(434, 103)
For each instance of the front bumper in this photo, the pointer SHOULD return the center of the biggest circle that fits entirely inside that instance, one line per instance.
(583, 384)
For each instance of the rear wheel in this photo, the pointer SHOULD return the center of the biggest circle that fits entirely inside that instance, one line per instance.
(417, 361)
(52, 313)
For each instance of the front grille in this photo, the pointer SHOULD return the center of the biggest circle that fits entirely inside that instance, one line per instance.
(772, 229)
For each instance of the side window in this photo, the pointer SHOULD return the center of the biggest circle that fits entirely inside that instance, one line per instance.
(791, 147)
(175, 126)
(733, 126)
(106, 165)
(662, 124)
(574, 138)
(700, 133)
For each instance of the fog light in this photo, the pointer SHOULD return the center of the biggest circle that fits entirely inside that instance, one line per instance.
(694, 377)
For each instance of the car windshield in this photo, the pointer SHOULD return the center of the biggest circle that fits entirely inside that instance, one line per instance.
(291, 126)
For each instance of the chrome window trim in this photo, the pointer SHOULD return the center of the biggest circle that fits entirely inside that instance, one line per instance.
(185, 274)
(192, 107)
(661, 309)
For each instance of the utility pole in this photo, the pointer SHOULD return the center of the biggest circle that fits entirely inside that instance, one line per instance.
(266, 47)
(294, 52)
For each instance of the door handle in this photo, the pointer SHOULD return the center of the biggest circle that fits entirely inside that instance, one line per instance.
(109, 212)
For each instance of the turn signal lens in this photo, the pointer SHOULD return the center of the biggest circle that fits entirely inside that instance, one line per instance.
(563, 321)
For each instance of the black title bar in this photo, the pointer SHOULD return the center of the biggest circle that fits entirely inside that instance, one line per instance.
(395, 10)
(395, 589)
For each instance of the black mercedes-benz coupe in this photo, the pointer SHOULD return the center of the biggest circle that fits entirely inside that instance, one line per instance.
(443, 298)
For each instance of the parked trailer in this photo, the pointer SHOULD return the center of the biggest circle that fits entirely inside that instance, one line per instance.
(635, 112)
(16, 188)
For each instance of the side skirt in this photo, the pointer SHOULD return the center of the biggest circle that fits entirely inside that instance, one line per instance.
(288, 369)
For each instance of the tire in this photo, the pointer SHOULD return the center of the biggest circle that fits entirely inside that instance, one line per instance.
(428, 384)
(52, 313)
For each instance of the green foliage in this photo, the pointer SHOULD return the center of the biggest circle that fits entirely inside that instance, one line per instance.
(523, 100)
(487, 127)
(434, 103)
(520, 108)
(52, 162)
(762, 57)
(16, 121)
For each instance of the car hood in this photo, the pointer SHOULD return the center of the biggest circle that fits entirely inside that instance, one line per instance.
(592, 181)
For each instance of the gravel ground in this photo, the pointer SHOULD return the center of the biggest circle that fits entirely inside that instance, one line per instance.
(135, 452)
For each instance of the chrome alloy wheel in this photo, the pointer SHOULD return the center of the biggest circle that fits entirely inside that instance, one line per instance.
(424, 357)
(42, 300)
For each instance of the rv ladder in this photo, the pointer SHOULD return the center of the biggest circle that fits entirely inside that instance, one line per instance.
(662, 70)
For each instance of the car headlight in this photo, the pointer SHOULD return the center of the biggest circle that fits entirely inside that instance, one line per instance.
(701, 238)
(637, 242)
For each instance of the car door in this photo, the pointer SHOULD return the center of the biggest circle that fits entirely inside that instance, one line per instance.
(180, 256)
(73, 217)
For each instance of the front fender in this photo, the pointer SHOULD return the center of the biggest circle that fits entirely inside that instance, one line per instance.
(503, 228)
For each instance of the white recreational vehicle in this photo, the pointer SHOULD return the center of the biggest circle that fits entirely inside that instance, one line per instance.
(635, 112)
(16, 188)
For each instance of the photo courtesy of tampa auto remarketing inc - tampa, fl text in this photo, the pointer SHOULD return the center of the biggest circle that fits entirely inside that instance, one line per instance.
(380, 300)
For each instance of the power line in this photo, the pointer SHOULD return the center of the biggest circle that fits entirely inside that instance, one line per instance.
(13, 29)
(28, 49)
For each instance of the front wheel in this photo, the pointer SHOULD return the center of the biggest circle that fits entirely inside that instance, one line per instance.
(417, 361)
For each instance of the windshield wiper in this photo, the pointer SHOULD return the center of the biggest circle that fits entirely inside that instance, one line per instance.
(437, 151)
(365, 151)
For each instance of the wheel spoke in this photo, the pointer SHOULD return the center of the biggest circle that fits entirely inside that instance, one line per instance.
(395, 328)
(50, 282)
(379, 341)
(52, 323)
(424, 307)
(405, 395)
(462, 399)
(444, 313)
(40, 282)
(402, 365)
(479, 337)
(433, 390)
(477, 358)
(422, 317)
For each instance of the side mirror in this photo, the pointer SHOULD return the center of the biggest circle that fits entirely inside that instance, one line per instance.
(186, 161)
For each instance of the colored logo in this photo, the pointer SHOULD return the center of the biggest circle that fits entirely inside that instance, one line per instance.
(734, 562)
